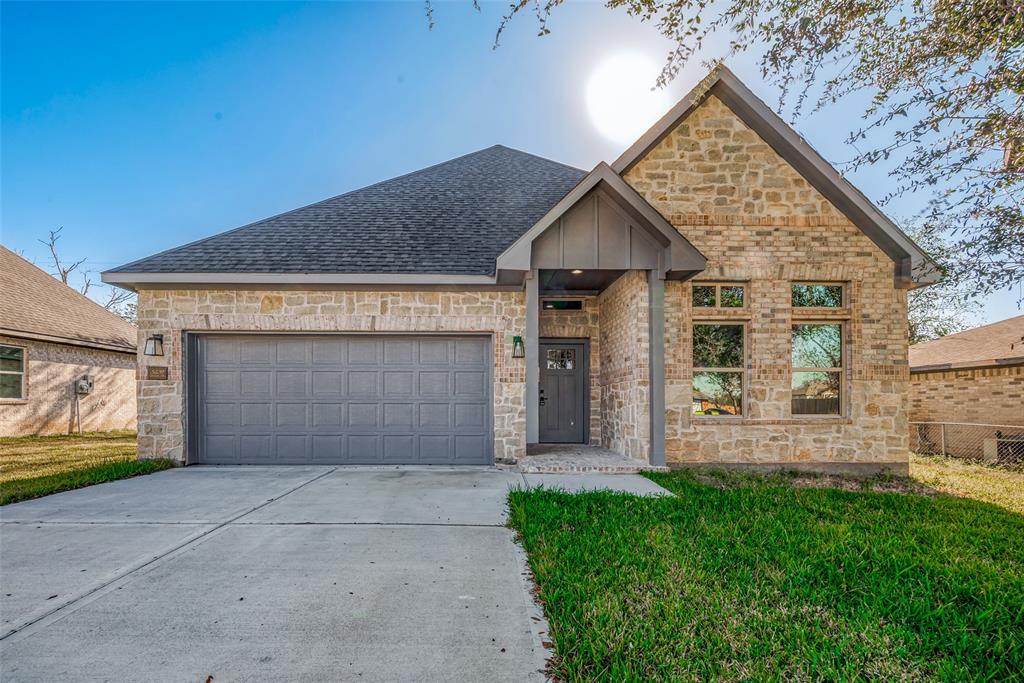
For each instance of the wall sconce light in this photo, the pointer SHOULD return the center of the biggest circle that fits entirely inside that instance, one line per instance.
(518, 350)
(154, 345)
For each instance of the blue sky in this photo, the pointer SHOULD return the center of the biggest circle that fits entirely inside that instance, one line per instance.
(138, 127)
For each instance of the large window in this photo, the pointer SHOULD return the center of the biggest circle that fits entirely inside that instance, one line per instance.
(12, 372)
(817, 368)
(817, 295)
(718, 369)
(718, 296)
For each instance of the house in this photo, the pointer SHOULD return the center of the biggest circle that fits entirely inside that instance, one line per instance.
(973, 377)
(66, 363)
(476, 310)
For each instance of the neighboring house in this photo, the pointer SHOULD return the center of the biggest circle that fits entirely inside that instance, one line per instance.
(974, 377)
(51, 337)
(474, 310)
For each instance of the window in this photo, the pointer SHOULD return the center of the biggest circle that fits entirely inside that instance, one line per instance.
(12, 372)
(817, 369)
(718, 296)
(817, 295)
(562, 305)
(717, 369)
(561, 359)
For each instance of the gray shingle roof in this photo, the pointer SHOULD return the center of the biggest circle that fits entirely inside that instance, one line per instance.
(36, 305)
(452, 218)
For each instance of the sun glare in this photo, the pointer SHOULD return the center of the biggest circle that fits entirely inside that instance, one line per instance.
(620, 99)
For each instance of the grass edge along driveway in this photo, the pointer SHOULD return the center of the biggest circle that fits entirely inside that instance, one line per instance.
(35, 466)
(740, 578)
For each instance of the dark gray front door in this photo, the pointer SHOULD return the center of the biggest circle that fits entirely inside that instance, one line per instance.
(335, 399)
(562, 392)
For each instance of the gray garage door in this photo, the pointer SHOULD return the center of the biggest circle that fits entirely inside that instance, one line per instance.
(342, 399)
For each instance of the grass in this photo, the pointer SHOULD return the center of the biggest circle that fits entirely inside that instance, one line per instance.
(1001, 487)
(34, 466)
(753, 578)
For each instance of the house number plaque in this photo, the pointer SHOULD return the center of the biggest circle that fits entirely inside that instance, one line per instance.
(156, 372)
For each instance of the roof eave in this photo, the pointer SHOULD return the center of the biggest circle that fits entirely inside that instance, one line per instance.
(69, 341)
(135, 281)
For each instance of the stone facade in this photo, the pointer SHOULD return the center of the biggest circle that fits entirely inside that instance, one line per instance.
(501, 314)
(51, 405)
(993, 395)
(625, 381)
(761, 224)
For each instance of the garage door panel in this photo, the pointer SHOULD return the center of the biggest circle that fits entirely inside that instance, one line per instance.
(293, 352)
(398, 416)
(399, 383)
(343, 399)
(329, 416)
(256, 415)
(328, 383)
(328, 352)
(433, 384)
(261, 352)
(256, 382)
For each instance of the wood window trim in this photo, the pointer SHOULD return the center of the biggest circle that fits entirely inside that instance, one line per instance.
(842, 371)
(24, 375)
(742, 371)
(745, 286)
(844, 293)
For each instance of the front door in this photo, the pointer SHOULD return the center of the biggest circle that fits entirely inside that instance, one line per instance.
(562, 392)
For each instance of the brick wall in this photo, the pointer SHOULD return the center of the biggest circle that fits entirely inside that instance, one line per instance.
(172, 312)
(582, 324)
(50, 405)
(978, 396)
(625, 390)
(759, 222)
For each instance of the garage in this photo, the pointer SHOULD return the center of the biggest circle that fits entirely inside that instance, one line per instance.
(340, 399)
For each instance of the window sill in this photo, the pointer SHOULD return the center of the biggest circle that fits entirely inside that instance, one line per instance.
(720, 420)
(13, 401)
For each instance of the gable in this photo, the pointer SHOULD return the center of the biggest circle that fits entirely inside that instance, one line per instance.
(766, 151)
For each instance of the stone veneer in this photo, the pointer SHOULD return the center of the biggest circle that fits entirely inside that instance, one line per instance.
(992, 395)
(173, 312)
(760, 223)
(625, 380)
(50, 402)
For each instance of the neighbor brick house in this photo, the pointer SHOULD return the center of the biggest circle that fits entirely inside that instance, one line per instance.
(51, 337)
(974, 377)
(473, 311)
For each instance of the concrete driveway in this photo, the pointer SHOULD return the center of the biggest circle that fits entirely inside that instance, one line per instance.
(274, 573)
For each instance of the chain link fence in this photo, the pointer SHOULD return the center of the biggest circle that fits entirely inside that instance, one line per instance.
(992, 444)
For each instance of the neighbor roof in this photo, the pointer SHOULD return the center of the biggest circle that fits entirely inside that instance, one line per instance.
(1000, 343)
(36, 305)
(453, 218)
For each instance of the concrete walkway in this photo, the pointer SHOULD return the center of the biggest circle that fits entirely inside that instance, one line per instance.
(275, 573)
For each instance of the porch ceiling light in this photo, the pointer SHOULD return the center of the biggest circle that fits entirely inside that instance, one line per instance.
(518, 349)
(577, 271)
(154, 345)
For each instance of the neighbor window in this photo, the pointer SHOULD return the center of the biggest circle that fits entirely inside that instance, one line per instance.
(718, 296)
(717, 369)
(817, 369)
(817, 295)
(12, 372)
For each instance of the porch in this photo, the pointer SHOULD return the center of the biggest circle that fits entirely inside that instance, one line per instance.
(581, 459)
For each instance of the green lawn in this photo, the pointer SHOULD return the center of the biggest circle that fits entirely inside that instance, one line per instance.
(751, 578)
(35, 466)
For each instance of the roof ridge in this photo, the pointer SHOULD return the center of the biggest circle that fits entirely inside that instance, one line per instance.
(402, 176)
(537, 156)
(71, 289)
(961, 333)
